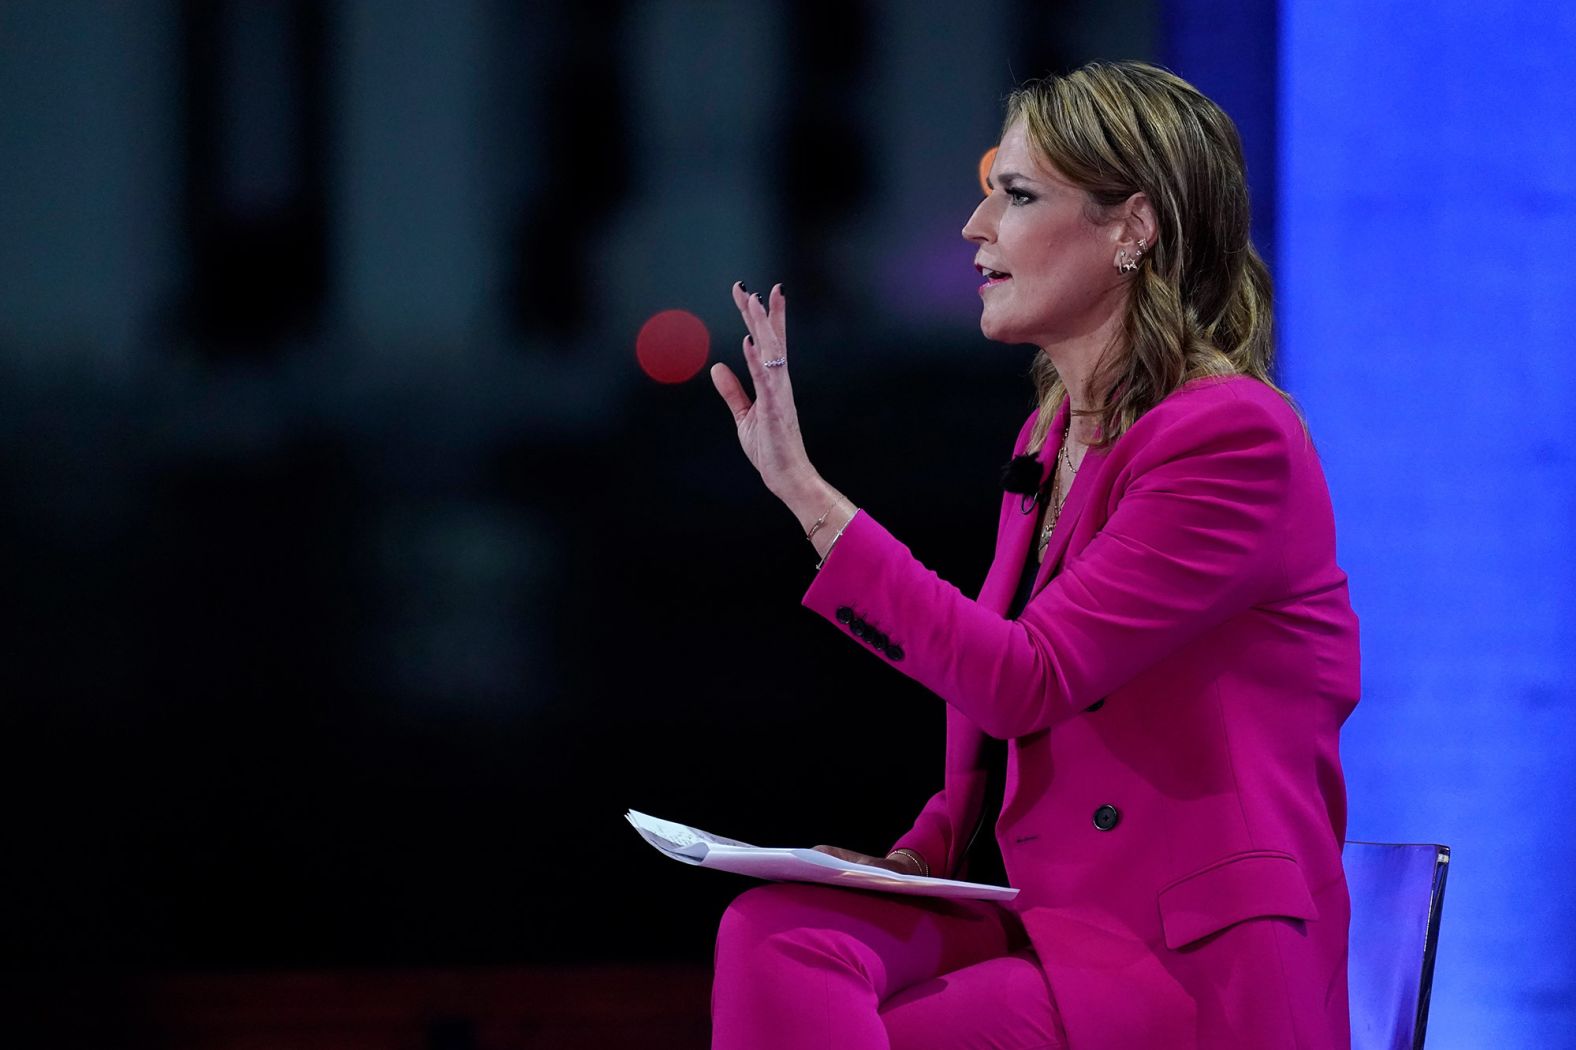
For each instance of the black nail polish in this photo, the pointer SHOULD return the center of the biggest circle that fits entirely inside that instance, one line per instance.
(742, 288)
(760, 300)
(750, 339)
(782, 291)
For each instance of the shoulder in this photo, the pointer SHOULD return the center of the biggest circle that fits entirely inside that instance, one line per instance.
(1231, 429)
(1235, 409)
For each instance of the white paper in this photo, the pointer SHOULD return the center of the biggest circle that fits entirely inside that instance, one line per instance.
(693, 846)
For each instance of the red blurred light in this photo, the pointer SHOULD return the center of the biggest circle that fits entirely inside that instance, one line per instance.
(985, 162)
(672, 346)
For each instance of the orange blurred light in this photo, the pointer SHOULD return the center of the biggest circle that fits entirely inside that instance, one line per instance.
(672, 346)
(985, 162)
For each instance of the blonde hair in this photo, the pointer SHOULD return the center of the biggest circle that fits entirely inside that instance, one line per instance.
(1200, 301)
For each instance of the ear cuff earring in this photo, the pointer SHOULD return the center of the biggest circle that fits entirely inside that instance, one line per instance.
(1126, 263)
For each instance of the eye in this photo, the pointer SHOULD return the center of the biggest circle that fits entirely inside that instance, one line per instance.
(1020, 197)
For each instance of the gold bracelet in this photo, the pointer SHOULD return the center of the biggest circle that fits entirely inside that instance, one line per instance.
(924, 869)
(835, 538)
(822, 519)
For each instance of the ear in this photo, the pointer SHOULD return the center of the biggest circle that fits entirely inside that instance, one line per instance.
(1137, 222)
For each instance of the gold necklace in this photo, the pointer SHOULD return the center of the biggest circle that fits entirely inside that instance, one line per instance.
(1053, 512)
(1066, 456)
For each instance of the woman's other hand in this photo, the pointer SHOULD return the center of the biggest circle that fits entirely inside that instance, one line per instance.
(901, 864)
(769, 426)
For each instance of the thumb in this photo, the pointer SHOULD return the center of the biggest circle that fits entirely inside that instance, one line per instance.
(732, 391)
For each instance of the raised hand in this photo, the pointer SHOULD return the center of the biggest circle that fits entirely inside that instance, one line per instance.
(768, 427)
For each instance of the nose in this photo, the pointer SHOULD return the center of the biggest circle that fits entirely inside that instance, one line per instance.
(981, 227)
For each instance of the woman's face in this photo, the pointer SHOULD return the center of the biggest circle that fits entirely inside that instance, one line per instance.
(1061, 279)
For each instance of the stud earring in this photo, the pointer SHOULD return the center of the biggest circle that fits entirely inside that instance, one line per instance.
(1124, 264)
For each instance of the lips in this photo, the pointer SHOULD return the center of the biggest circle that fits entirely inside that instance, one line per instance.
(992, 277)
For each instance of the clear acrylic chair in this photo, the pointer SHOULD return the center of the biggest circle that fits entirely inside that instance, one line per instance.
(1398, 891)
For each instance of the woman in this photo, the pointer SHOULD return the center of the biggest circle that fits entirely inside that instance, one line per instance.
(1163, 639)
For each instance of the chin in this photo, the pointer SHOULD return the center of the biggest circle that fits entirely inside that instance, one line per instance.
(997, 332)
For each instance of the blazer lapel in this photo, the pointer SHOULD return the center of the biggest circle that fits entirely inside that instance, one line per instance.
(1072, 509)
(1016, 536)
(1016, 533)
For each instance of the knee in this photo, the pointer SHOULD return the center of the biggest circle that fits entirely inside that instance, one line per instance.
(757, 915)
(781, 947)
(783, 926)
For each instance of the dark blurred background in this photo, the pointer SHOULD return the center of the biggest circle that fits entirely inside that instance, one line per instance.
(359, 577)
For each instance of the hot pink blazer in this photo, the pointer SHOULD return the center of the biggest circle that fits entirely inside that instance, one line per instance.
(1172, 696)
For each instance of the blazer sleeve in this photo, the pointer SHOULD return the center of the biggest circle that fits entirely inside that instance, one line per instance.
(1189, 542)
(931, 836)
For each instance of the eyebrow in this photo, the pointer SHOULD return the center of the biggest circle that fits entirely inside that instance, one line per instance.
(1007, 176)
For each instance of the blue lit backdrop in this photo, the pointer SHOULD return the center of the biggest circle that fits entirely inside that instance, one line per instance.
(1427, 191)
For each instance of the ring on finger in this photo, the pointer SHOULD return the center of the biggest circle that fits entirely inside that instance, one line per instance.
(776, 362)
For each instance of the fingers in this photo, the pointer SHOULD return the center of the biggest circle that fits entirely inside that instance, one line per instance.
(779, 316)
(768, 327)
(854, 857)
(756, 364)
(740, 295)
(747, 304)
(731, 389)
(750, 308)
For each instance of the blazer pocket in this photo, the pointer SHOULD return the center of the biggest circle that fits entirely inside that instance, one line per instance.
(1242, 886)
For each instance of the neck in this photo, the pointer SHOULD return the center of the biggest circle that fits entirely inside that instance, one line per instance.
(1076, 359)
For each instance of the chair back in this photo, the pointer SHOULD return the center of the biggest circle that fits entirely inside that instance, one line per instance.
(1398, 891)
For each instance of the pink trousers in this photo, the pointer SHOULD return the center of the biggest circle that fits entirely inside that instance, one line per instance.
(802, 966)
